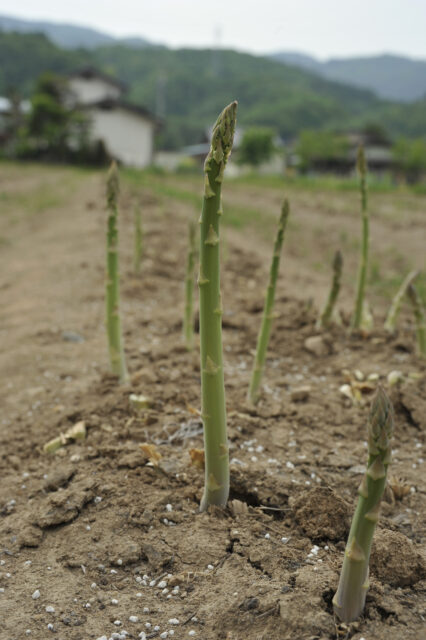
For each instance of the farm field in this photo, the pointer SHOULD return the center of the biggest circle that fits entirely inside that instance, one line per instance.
(99, 535)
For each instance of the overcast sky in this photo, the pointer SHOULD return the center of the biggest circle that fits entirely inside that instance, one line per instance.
(320, 27)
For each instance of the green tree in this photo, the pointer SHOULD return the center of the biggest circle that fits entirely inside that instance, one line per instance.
(257, 146)
(54, 129)
(315, 147)
(410, 157)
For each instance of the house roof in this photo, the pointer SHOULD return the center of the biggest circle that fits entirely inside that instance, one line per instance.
(89, 73)
(109, 104)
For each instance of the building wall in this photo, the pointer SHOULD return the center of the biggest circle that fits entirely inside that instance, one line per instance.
(89, 90)
(128, 137)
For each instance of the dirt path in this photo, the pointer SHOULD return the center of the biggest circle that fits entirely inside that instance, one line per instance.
(95, 529)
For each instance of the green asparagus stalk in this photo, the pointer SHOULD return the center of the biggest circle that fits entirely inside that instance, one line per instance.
(393, 312)
(420, 316)
(138, 235)
(268, 309)
(113, 322)
(325, 316)
(188, 320)
(349, 599)
(216, 489)
(362, 273)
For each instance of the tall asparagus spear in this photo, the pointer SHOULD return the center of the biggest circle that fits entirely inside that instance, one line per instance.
(113, 322)
(349, 599)
(216, 489)
(390, 321)
(188, 321)
(325, 316)
(420, 316)
(137, 249)
(268, 309)
(363, 266)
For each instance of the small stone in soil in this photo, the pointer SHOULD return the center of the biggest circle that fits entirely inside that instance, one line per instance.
(36, 594)
(133, 618)
(50, 609)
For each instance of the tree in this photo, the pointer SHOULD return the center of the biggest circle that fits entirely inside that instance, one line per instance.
(54, 128)
(410, 157)
(320, 147)
(257, 146)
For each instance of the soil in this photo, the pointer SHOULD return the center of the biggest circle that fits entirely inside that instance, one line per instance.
(99, 538)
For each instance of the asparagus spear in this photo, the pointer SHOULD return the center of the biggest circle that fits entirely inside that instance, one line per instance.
(113, 322)
(420, 316)
(325, 317)
(362, 273)
(265, 328)
(137, 250)
(188, 321)
(216, 489)
(390, 321)
(349, 599)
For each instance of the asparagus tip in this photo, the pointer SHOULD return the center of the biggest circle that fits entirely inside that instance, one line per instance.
(338, 261)
(223, 136)
(381, 421)
(285, 209)
(112, 183)
(361, 161)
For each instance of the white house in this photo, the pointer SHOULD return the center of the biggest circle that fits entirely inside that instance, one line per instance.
(126, 130)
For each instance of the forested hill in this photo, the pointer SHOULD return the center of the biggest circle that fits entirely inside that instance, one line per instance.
(194, 85)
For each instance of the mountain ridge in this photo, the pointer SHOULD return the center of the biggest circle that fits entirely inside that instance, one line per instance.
(390, 76)
(69, 36)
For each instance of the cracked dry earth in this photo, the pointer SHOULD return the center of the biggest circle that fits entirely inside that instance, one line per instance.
(97, 541)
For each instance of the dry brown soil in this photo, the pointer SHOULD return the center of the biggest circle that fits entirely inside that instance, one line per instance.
(103, 536)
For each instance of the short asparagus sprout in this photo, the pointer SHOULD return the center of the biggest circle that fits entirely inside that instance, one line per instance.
(349, 599)
(188, 320)
(268, 309)
(391, 318)
(420, 316)
(325, 317)
(216, 489)
(363, 266)
(138, 237)
(113, 322)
